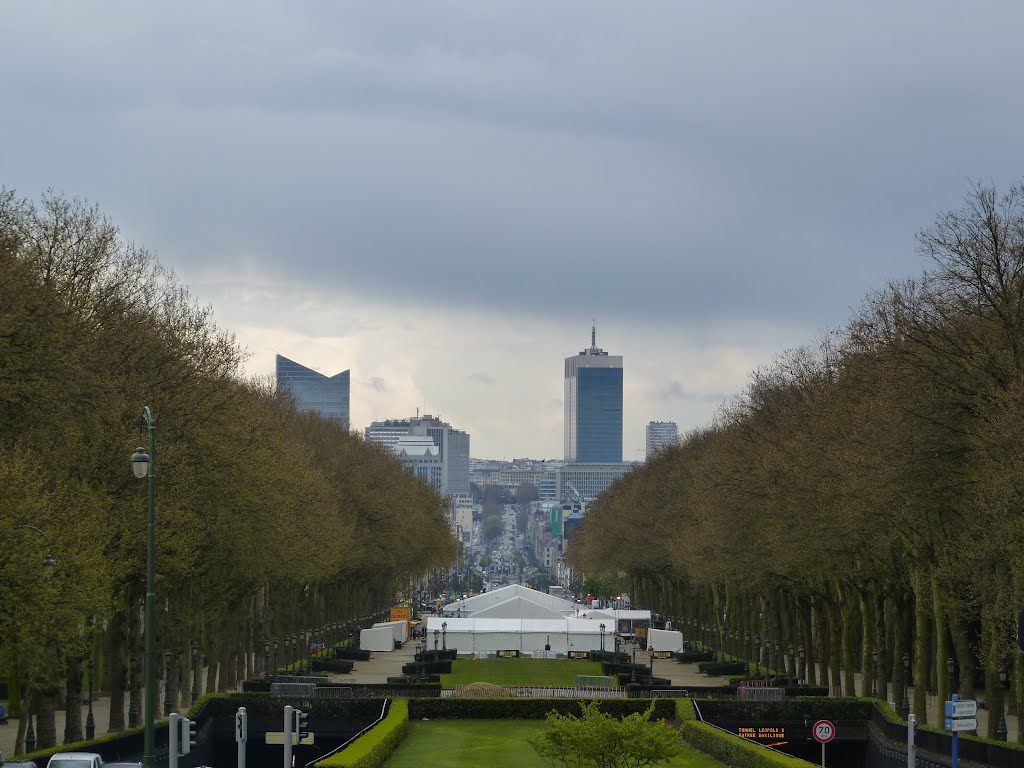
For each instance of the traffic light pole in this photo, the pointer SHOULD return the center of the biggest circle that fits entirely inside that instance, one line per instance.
(173, 736)
(241, 734)
(289, 722)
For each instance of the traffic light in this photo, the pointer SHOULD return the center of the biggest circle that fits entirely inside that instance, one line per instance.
(301, 726)
(188, 735)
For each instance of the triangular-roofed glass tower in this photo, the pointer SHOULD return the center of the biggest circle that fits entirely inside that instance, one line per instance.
(313, 391)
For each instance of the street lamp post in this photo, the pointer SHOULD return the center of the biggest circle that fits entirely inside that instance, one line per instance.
(950, 666)
(905, 705)
(144, 465)
(601, 627)
(757, 654)
(194, 671)
(90, 723)
(1004, 684)
(874, 673)
(436, 633)
(275, 655)
(792, 663)
(778, 657)
(444, 631)
(802, 672)
(746, 651)
(266, 658)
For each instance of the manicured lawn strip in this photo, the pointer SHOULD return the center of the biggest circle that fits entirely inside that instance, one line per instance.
(468, 744)
(489, 743)
(560, 672)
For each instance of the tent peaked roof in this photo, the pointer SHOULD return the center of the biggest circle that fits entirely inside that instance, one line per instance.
(471, 605)
(518, 608)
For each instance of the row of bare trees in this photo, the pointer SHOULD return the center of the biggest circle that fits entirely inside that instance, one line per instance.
(863, 495)
(270, 521)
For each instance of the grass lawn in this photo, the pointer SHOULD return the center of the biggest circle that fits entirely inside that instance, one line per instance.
(490, 743)
(518, 671)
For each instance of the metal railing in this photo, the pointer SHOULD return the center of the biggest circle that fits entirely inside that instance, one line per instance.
(551, 692)
(297, 690)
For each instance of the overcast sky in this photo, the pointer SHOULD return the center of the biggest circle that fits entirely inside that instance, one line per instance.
(441, 195)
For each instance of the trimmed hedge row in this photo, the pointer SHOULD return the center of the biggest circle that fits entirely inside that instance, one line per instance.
(685, 710)
(530, 709)
(355, 654)
(692, 657)
(372, 749)
(334, 666)
(789, 709)
(428, 668)
(722, 668)
(447, 655)
(732, 750)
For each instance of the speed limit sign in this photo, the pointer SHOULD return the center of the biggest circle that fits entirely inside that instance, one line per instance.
(824, 731)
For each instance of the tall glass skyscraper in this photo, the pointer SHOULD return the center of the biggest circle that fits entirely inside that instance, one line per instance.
(593, 405)
(313, 391)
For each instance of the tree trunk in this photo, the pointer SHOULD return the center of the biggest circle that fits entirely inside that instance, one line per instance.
(116, 641)
(942, 650)
(46, 720)
(73, 703)
(921, 645)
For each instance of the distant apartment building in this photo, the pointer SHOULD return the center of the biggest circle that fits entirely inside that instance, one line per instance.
(593, 406)
(429, 448)
(328, 395)
(585, 482)
(512, 474)
(661, 434)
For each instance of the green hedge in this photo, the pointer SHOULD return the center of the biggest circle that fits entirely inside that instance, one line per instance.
(334, 666)
(372, 749)
(529, 709)
(789, 709)
(732, 750)
(685, 710)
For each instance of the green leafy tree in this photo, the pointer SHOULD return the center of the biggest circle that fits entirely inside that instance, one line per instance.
(597, 739)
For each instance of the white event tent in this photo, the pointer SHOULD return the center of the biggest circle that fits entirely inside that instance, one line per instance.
(476, 635)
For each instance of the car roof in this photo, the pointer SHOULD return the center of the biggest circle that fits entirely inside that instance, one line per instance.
(75, 755)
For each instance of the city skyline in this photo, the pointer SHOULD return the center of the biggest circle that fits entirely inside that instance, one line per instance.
(440, 197)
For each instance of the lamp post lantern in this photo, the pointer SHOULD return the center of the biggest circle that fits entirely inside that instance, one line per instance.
(1004, 684)
(90, 723)
(905, 705)
(144, 465)
(444, 631)
(194, 669)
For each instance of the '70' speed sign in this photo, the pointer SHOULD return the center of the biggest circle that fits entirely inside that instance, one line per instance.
(824, 731)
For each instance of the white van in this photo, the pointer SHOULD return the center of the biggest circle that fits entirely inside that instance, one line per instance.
(75, 760)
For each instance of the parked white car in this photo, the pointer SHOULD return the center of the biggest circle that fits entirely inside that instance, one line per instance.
(75, 760)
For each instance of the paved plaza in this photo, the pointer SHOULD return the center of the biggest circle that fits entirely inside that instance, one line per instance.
(384, 665)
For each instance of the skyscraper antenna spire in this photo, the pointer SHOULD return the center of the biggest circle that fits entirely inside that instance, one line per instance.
(593, 333)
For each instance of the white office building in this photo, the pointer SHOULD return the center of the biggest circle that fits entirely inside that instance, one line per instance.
(661, 434)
